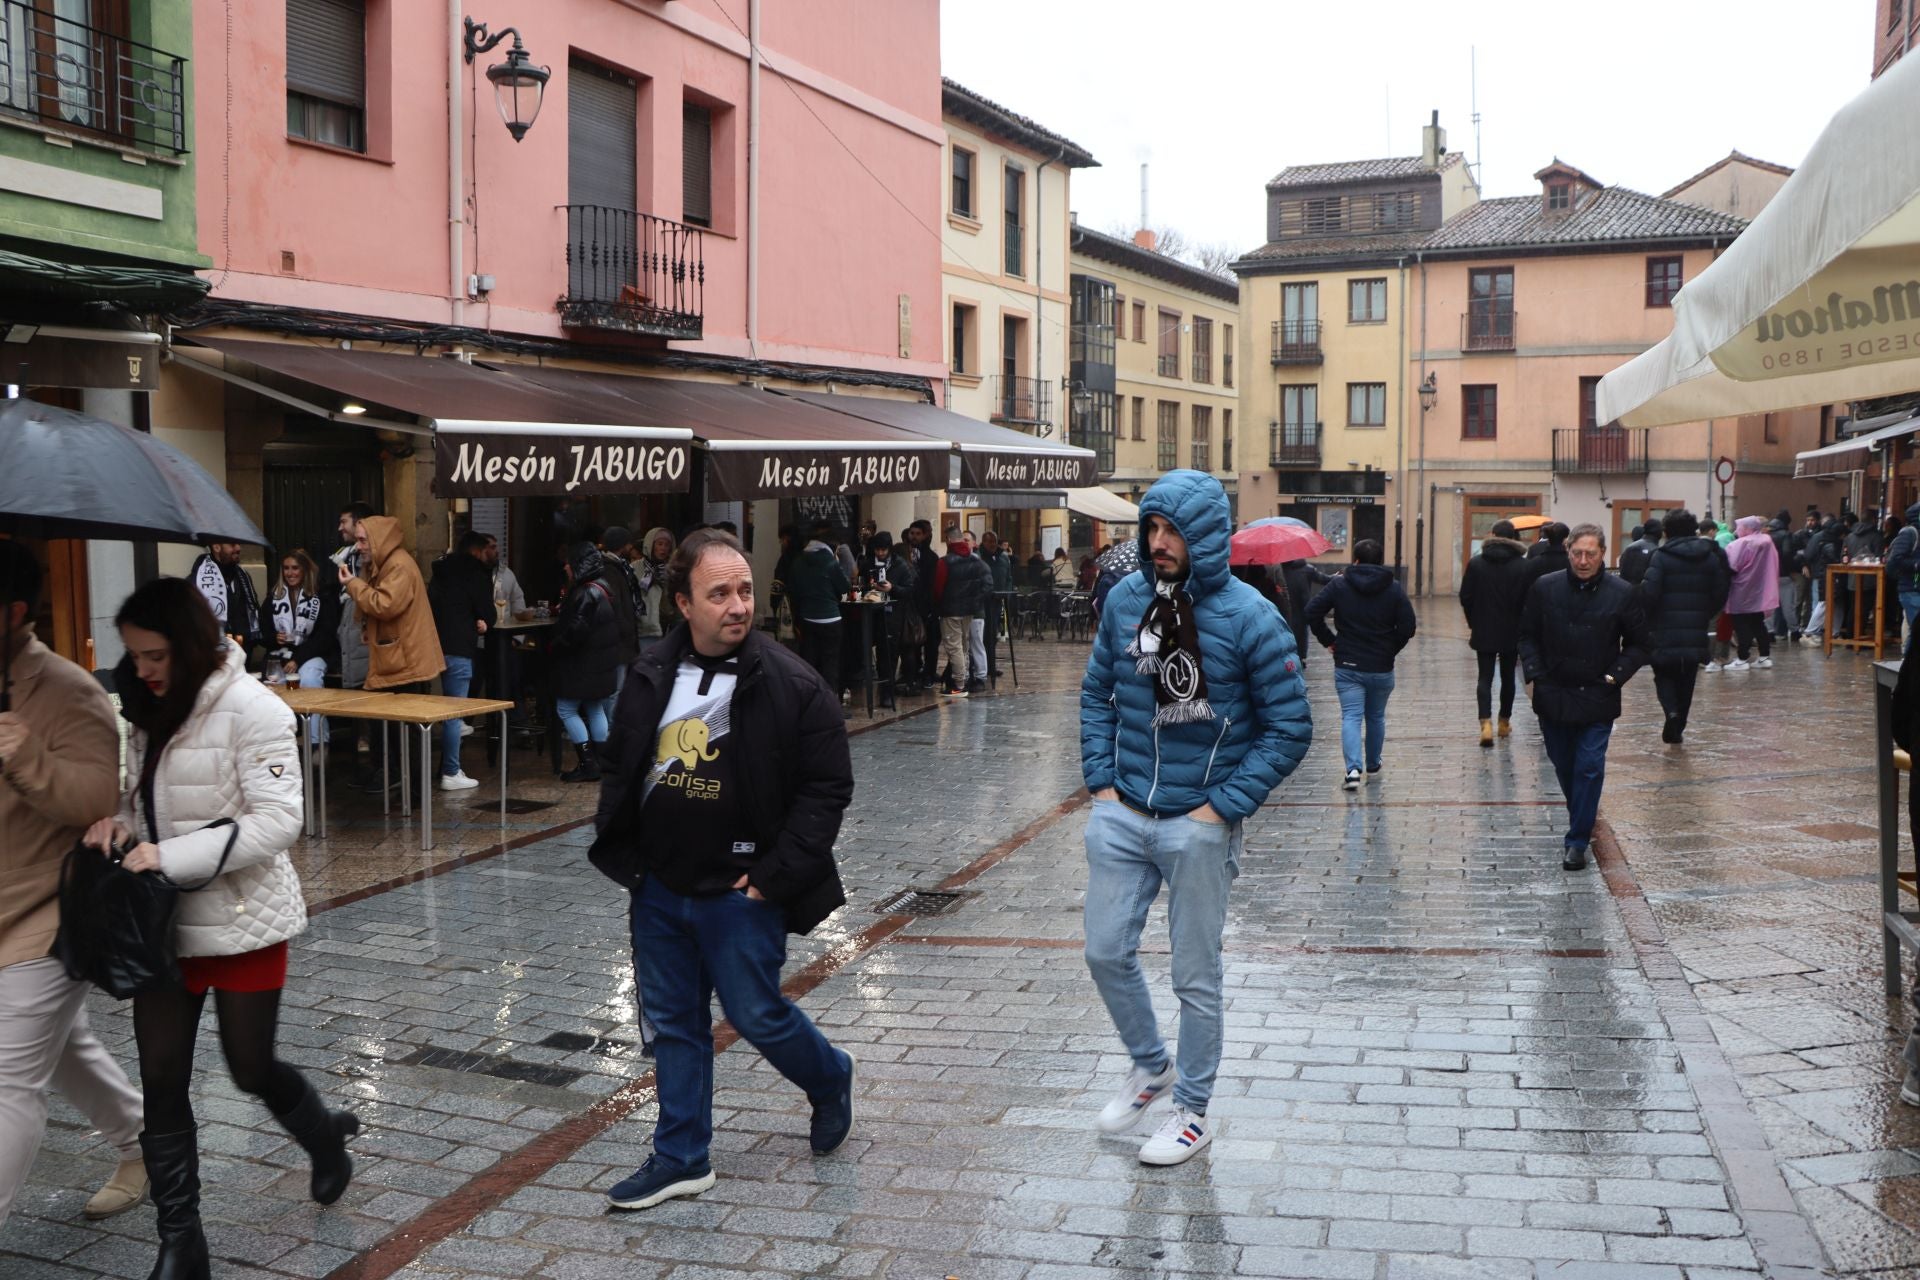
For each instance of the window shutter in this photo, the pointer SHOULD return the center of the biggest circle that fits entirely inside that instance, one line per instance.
(696, 165)
(327, 50)
(601, 134)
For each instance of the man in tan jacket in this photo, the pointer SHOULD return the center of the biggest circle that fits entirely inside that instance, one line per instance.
(59, 770)
(403, 646)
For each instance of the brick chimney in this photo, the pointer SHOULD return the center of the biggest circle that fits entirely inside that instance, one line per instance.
(1433, 143)
(1144, 238)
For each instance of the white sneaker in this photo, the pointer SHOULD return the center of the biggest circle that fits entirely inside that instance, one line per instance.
(1142, 1089)
(466, 730)
(1353, 781)
(1712, 667)
(1738, 664)
(457, 782)
(1180, 1135)
(1763, 663)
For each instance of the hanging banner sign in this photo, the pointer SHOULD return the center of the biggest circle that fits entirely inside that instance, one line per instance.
(510, 465)
(993, 469)
(738, 475)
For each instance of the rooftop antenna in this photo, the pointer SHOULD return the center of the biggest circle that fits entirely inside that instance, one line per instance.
(1473, 76)
(1143, 195)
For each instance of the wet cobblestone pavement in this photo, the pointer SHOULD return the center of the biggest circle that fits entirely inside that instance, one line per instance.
(1445, 1056)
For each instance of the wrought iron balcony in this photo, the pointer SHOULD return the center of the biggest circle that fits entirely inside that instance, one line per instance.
(633, 272)
(1295, 444)
(1027, 401)
(1599, 451)
(1487, 329)
(68, 74)
(1297, 342)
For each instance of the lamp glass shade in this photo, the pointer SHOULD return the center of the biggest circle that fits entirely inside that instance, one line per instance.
(518, 88)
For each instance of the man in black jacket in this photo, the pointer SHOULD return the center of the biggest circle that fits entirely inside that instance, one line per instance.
(963, 586)
(461, 595)
(727, 775)
(1582, 636)
(1684, 591)
(1786, 619)
(1376, 621)
(1549, 554)
(1639, 553)
(1493, 592)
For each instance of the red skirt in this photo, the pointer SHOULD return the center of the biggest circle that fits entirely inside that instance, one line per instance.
(262, 970)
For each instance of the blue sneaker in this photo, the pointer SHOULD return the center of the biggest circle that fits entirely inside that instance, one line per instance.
(833, 1116)
(655, 1181)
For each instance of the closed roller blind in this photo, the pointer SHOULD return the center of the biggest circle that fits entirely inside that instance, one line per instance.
(696, 165)
(327, 49)
(601, 130)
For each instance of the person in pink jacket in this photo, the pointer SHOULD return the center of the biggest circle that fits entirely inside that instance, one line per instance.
(1755, 592)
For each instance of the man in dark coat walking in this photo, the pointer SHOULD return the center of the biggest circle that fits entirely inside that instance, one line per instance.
(1376, 621)
(1493, 592)
(1549, 554)
(1635, 557)
(1684, 591)
(727, 776)
(1582, 636)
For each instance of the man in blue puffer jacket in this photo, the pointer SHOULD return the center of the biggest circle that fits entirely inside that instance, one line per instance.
(1192, 710)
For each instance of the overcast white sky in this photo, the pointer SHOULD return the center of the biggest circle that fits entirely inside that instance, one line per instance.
(1220, 95)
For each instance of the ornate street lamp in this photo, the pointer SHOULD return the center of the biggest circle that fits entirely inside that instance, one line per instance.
(1429, 391)
(518, 85)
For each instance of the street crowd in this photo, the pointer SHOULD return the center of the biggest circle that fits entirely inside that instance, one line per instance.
(723, 768)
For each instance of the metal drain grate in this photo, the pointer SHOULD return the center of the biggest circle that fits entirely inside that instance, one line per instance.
(490, 1065)
(924, 902)
(514, 805)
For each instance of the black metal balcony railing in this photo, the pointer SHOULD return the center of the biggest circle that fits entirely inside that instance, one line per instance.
(1487, 329)
(1599, 451)
(1024, 400)
(67, 73)
(633, 272)
(1295, 444)
(1296, 342)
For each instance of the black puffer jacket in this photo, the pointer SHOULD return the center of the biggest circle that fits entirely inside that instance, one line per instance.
(461, 594)
(1684, 591)
(1574, 635)
(796, 773)
(1635, 558)
(1545, 557)
(1373, 613)
(1493, 592)
(586, 640)
(964, 585)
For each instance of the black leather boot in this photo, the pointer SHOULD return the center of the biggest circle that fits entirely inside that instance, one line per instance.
(588, 770)
(173, 1173)
(323, 1135)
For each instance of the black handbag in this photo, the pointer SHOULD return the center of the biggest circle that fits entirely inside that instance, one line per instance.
(117, 927)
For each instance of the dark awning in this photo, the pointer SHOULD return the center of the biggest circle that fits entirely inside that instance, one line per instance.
(1006, 499)
(990, 457)
(143, 288)
(765, 445)
(496, 433)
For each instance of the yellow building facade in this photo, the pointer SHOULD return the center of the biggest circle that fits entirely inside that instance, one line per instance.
(1176, 368)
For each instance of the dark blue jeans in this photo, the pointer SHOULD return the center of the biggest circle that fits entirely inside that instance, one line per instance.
(1579, 755)
(685, 950)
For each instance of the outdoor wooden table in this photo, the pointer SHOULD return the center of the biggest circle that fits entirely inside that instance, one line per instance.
(1877, 641)
(416, 710)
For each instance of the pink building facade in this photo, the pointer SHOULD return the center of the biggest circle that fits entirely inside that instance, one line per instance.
(720, 191)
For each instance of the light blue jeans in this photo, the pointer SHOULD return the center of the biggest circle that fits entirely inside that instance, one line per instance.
(584, 719)
(313, 675)
(1129, 856)
(454, 683)
(1363, 701)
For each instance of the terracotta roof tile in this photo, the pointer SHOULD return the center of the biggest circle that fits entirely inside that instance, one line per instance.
(957, 99)
(1613, 214)
(1313, 175)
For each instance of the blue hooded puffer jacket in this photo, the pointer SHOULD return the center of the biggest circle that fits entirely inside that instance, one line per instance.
(1262, 725)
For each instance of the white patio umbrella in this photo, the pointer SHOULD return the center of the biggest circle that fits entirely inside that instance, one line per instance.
(1818, 300)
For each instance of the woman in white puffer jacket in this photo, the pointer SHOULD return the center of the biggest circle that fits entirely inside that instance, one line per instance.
(212, 799)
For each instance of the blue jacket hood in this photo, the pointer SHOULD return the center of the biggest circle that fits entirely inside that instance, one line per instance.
(1194, 503)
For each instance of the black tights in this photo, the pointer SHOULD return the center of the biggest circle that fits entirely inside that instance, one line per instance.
(1483, 691)
(167, 1022)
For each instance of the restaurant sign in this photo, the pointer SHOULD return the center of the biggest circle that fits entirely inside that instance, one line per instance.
(1863, 309)
(489, 464)
(742, 474)
(994, 469)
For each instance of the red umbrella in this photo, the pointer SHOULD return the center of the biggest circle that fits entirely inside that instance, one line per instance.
(1276, 544)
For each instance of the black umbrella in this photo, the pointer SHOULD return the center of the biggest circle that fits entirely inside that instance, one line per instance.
(1121, 558)
(67, 475)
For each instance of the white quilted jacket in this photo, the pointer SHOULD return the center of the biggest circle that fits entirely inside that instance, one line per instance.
(235, 757)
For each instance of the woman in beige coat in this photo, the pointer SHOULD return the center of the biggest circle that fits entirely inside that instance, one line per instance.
(213, 800)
